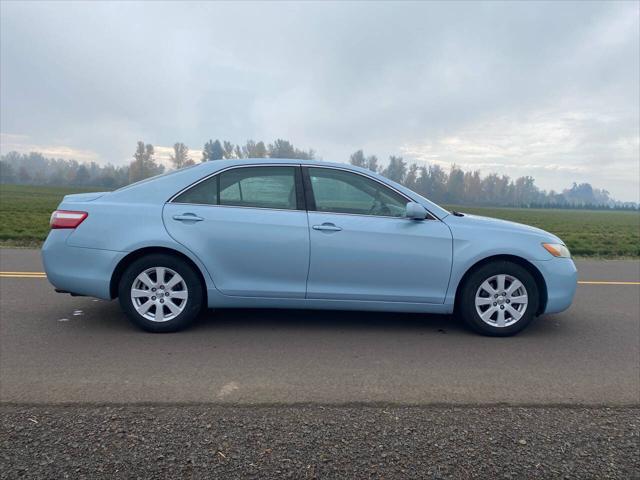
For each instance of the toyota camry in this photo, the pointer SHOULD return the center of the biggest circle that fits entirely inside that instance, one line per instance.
(267, 233)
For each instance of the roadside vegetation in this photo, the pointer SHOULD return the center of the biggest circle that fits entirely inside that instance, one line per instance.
(25, 212)
(455, 186)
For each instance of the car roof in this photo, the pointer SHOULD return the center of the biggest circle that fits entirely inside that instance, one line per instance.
(273, 161)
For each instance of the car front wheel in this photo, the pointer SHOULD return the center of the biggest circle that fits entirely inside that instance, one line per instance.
(499, 299)
(160, 293)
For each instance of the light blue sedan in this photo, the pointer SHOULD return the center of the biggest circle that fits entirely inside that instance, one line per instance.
(272, 233)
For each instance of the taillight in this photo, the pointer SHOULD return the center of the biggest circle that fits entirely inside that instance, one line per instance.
(67, 219)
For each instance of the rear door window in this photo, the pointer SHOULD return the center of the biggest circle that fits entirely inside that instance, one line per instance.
(258, 187)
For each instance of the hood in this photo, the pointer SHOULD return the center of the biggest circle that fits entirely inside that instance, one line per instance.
(83, 197)
(488, 223)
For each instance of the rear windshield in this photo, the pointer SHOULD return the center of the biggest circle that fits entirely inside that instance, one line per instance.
(166, 174)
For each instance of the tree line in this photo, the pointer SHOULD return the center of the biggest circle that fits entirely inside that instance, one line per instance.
(455, 186)
(468, 188)
(36, 169)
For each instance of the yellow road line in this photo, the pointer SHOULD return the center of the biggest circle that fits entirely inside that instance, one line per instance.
(22, 273)
(3, 275)
(44, 275)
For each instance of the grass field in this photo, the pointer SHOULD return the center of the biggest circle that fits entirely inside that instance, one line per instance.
(25, 211)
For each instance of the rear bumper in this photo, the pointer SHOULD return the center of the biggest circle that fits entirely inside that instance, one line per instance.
(561, 278)
(82, 271)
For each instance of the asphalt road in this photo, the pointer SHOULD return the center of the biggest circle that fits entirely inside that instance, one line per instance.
(59, 349)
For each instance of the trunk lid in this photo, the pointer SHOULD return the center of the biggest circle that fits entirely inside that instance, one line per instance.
(83, 197)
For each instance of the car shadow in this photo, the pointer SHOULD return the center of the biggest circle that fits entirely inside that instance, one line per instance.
(108, 315)
(349, 320)
(274, 319)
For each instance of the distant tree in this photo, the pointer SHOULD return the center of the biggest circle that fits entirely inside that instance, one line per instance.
(358, 159)
(107, 177)
(284, 149)
(23, 175)
(151, 166)
(455, 185)
(228, 149)
(584, 194)
(472, 187)
(180, 157)
(82, 176)
(207, 151)
(372, 163)
(212, 151)
(411, 180)
(136, 168)
(281, 149)
(525, 191)
(34, 168)
(7, 172)
(497, 189)
(437, 183)
(396, 170)
(505, 192)
(107, 181)
(252, 149)
(143, 164)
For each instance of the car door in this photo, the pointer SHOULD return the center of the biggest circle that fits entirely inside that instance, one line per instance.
(248, 225)
(362, 246)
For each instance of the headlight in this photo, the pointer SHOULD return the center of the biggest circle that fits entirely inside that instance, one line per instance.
(557, 250)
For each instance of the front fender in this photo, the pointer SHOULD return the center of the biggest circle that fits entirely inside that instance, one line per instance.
(473, 244)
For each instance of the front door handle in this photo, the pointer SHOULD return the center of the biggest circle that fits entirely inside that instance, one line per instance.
(327, 227)
(188, 217)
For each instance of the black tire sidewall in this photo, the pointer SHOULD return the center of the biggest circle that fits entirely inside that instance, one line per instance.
(194, 302)
(466, 302)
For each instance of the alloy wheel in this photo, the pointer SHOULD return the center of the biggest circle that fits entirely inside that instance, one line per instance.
(159, 294)
(501, 300)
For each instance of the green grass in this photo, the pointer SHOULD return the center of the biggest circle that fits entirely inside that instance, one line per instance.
(25, 211)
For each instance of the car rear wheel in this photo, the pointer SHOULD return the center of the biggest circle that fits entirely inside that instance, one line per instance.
(499, 299)
(160, 293)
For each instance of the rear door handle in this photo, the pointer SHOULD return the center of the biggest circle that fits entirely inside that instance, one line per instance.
(327, 227)
(188, 217)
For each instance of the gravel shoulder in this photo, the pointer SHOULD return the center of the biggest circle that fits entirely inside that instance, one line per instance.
(214, 441)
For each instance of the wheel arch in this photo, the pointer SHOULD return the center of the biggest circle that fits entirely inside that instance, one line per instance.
(141, 252)
(530, 267)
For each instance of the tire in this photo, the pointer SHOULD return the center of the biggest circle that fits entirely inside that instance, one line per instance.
(175, 302)
(503, 315)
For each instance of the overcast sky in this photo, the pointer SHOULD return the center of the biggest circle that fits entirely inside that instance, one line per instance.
(550, 90)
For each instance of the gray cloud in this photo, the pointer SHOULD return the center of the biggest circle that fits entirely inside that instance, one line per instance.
(519, 88)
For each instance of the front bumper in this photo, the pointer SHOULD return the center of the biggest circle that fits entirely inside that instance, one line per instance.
(78, 270)
(561, 278)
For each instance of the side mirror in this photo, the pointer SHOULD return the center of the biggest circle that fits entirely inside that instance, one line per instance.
(415, 211)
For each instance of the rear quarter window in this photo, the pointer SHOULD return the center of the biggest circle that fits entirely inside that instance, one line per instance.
(205, 193)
